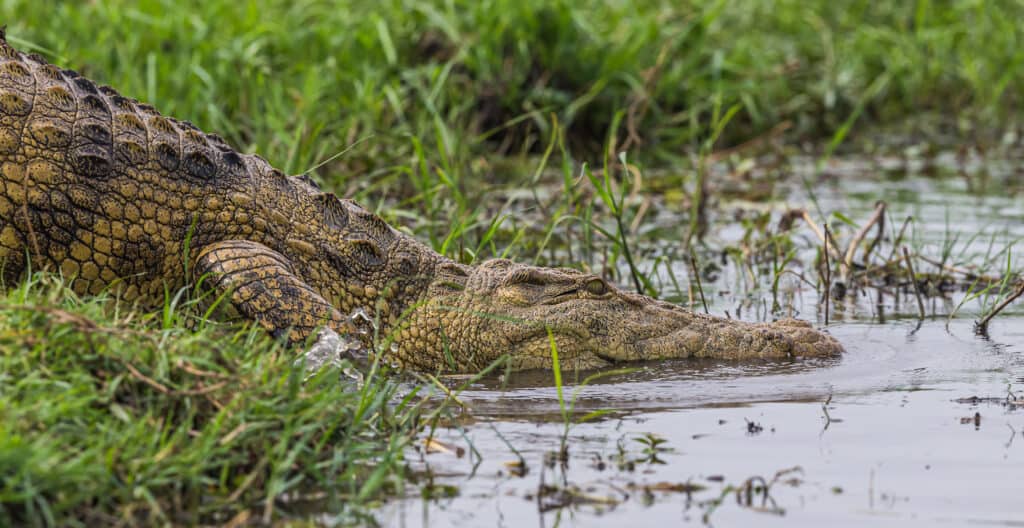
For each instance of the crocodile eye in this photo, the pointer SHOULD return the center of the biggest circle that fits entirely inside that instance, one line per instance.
(596, 287)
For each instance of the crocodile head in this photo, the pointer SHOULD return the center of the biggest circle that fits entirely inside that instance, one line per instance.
(474, 315)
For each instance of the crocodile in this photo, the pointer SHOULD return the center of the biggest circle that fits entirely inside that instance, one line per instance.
(122, 200)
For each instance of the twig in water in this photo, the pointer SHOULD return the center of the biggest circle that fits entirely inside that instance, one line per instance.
(824, 409)
(913, 280)
(821, 236)
(982, 326)
(896, 242)
(968, 274)
(876, 218)
(519, 467)
(874, 243)
(828, 273)
(696, 275)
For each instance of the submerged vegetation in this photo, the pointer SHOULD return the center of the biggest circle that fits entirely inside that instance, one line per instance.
(594, 134)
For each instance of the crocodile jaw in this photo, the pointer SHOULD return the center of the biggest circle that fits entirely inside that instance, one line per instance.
(654, 330)
(525, 313)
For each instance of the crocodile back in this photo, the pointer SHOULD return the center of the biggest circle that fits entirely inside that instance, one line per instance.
(103, 188)
(112, 194)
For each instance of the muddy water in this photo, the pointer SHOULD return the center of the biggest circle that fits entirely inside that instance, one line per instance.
(919, 427)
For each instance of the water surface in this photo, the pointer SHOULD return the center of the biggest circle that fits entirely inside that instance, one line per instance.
(914, 426)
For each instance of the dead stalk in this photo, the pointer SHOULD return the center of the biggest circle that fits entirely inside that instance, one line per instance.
(828, 273)
(847, 262)
(874, 243)
(968, 274)
(821, 235)
(982, 326)
(899, 238)
(696, 275)
(913, 280)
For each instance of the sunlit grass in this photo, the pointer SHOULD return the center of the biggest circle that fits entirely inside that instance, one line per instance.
(300, 81)
(105, 417)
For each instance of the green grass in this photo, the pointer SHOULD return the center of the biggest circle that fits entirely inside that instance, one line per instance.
(419, 109)
(107, 418)
(302, 80)
(434, 101)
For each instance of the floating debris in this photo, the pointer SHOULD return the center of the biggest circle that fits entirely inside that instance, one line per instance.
(332, 350)
(433, 445)
(668, 487)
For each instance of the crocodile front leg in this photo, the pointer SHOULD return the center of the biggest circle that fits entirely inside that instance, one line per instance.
(11, 253)
(259, 284)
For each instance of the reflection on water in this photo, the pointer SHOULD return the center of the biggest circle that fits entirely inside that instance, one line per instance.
(899, 442)
(897, 446)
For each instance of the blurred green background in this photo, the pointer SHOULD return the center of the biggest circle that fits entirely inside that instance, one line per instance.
(300, 81)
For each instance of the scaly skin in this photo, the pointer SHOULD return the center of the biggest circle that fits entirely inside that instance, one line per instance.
(121, 199)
